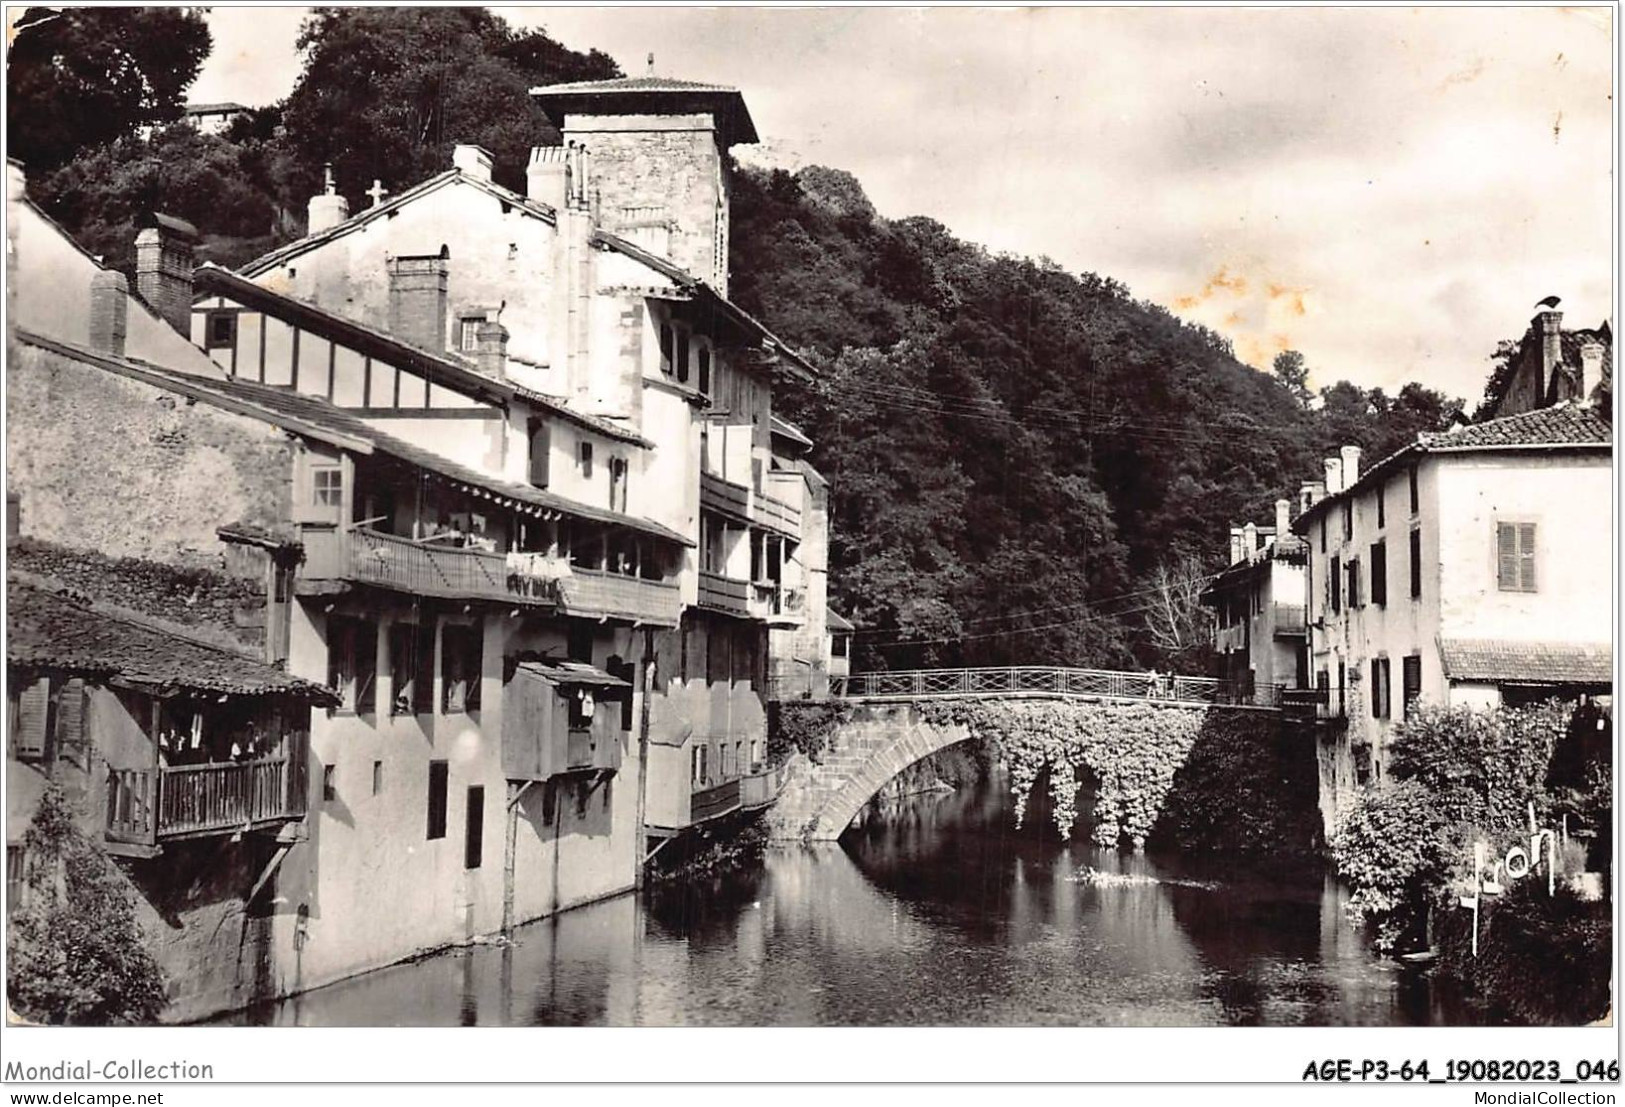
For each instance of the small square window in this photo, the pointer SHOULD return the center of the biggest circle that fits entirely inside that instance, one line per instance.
(328, 487)
(468, 333)
(586, 459)
(221, 331)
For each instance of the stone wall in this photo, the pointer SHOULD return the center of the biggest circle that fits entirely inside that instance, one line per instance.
(107, 463)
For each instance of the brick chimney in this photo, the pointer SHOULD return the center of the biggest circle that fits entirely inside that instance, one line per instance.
(109, 311)
(164, 259)
(1249, 538)
(1351, 465)
(1283, 519)
(547, 177)
(474, 161)
(491, 348)
(1334, 476)
(1549, 326)
(417, 300)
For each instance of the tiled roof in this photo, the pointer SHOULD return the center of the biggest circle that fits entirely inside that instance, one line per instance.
(48, 630)
(310, 409)
(207, 109)
(1527, 662)
(633, 84)
(629, 95)
(1567, 424)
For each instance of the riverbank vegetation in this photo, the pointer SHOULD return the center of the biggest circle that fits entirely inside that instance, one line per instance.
(75, 954)
(1462, 808)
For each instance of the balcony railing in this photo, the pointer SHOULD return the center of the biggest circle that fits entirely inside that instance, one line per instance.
(725, 594)
(1289, 618)
(721, 494)
(776, 514)
(764, 508)
(1029, 681)
(594, 593)
(425, 569)
(745, 793)
(147, 806)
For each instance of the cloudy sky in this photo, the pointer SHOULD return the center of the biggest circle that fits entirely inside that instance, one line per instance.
(1388, 190)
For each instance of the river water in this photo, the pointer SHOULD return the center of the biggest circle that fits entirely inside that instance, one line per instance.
(935, 910)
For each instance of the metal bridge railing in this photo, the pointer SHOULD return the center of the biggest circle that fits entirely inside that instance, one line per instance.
(1036, 680)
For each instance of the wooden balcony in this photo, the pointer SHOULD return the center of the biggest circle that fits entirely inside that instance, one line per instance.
(425, 569)
(745, 793)
(766, 508)
(723, 495)
(774, 513)
(146, 807)
(1289, 621)
(725, 594)
(594, 593)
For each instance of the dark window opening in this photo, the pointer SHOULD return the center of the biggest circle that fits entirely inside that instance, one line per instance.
(221, 330)
(1411, 674)
(540, 453)
(461, 653)
(439, 778)
(1379, 573)
(474, 828)
(705, 369)
(1416, 493)
(586, 460)
(411, 667)
(682, 357)
(330, 789)
(1416, 564)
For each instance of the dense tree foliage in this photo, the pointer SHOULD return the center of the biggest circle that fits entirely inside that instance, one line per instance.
(81, 77)
(1019, 454)
(387, 92)
(384, 95)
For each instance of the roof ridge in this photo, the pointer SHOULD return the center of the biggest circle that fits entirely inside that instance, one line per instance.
(62, 590)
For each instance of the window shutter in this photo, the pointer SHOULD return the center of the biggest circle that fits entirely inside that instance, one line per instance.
(1376, 688)
(70, 715)
(1506, 556)
(1526, 556)
(32, 707)
(540, 453)
(1416, 563)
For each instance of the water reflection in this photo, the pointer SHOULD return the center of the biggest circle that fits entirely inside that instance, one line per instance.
(935, 910)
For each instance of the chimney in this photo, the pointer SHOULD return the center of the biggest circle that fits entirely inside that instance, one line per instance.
(327, 208)
(1549, 325)
(1237, 551)
(1590, 367)
(649, 227)
(547, 178)
(1309, 492)
(1249, 539)
(417, 300)
(164, 260)
(475, 161)
(491, 348)
(1334, 476)
(1351, 465)
(1283, 519)
(109, 311)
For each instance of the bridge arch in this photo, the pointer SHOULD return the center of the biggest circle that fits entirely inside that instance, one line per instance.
(1133, 730)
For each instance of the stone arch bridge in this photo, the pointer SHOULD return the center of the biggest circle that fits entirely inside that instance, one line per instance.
(819, 800)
